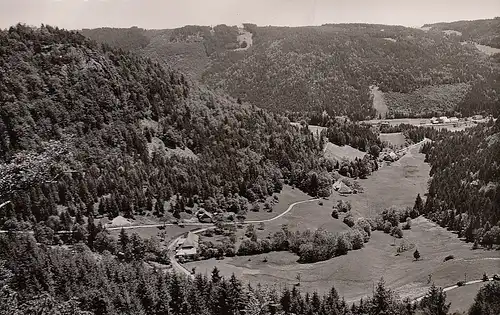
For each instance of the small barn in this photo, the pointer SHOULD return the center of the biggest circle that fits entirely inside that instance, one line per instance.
(204, 216)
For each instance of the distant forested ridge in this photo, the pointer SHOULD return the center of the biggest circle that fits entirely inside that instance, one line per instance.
(464, 192)
(485, 32)
(99, 130)
(329, 67)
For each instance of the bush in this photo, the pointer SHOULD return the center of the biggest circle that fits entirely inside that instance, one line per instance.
(344, 206)
(357, 240)
(449, 257)
(343, 245)
(364, 225)
(407, 225)
(387, 227)
(335, 213)
(349, 220)
(485, 277)
(397, 232)
(255, 207)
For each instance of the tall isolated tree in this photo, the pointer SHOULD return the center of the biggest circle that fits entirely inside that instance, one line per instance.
(416, 254)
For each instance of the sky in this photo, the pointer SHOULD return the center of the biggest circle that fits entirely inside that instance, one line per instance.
(159, 14)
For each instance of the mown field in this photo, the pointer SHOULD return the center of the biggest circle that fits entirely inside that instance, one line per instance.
(396, 139)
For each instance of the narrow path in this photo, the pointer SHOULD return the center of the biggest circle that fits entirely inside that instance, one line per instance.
(453, 287)
(418, 298)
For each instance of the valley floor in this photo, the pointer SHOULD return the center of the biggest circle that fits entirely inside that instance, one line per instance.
(354, 274)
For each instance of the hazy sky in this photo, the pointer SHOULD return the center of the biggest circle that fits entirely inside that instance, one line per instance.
(76, 14)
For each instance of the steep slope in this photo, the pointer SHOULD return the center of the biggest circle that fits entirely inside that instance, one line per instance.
(329, 67)
(85, 126)
(464, 192)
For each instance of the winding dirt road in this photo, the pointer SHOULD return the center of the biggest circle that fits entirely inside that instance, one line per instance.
(180, 268)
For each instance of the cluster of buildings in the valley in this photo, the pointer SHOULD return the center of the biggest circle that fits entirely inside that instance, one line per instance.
(444, 120)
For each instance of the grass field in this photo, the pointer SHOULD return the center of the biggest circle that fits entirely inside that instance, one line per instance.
(395, 139)
(379, 102)
(395, 185)
(287, 196)
(147, 232)
(354, 274)
(462, 298)
(337, 153)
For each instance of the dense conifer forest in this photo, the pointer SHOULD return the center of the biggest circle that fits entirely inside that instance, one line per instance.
(464, 192)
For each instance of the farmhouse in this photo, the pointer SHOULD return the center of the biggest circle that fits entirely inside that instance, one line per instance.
(342, 188)
(188, 247)
(204, 216)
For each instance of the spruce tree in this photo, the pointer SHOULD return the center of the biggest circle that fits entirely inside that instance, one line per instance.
(434, 302)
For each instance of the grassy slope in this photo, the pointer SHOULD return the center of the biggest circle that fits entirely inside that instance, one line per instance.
(338, 153)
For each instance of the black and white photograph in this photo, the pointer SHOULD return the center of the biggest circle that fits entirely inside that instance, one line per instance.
(237, 157)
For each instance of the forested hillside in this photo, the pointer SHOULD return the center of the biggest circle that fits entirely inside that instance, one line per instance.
(85, 128)
(329, 67)
(485, 32)
(464, 192)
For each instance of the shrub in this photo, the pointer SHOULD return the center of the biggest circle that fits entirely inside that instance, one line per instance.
(449, 257)
(335, 213)
(349, 220)
(344, 206)
(407, 225)
(387, 227)
(249, 247)
(255, 207)
(343, 245)
(397, 232)
(485, 277)
(357, 240)
(364, 225)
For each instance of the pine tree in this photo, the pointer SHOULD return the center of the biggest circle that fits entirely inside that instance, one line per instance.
(417, 207)
(434, 302)
(216, 275)
(123, 239)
